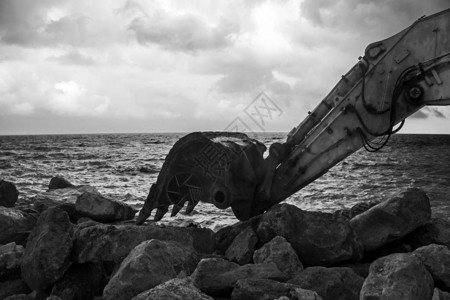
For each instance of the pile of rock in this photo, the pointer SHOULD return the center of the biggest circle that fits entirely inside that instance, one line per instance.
(82, 247)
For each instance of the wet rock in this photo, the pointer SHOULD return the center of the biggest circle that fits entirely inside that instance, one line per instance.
(112, 243)
(397, 276)
(356, 209)
(57, 197)
(102, 209)
(80, 282)
(317, 238)
(281, 253)
(174, 289)
(435, 231)
(217, 277)
(440, 295)
(59, 182)
(13, 287)
(48, 249)
(436, 259)
(266, 289)
(225, 236)
(392, 219)
(242, 247)
(148, 265)
(15, 225)
(10, 260)
(8, 194)
(330, 283)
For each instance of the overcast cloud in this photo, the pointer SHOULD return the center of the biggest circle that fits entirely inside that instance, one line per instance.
(81, 66)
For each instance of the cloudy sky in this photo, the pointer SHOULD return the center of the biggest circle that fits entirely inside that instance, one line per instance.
(84, 66)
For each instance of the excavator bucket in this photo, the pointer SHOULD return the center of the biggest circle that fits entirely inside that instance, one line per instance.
(215, 167)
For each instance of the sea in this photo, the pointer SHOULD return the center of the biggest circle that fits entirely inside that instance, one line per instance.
(123, 166)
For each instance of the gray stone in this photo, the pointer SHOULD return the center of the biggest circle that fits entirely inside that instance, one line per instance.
(392, 219)
(99, 208)
(8, 194)
(59, 182)
(55, 197)
(10, 260)
(80, 282)
(440, 295)
(266, 289)
(15, 225)
(281, 253)
(317, 238)
(435, 231)
(225, 236)
(174, 289)
(18, 297)
(148, 265)
(13, 287)
(330, 283)
(398, 276)
(95, 242)
(217, 277)
(242, 247)
(436, 259)
(48, 250)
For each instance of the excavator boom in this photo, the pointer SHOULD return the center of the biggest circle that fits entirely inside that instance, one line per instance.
(392, 80)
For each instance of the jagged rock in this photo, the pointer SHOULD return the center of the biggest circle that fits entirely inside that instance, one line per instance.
(242, 247)
(436, 259)
(102, 209)
(174, 289)
(15, 225)
(392, 219)
(10, 260)
(317, 238)
(148, 265)
(112, 243)
(8, 194)
(57, 197)
(225, 236)
(48, 249)
(59, 182)
(281, 253)
(13, 287)
(330, 283)
(398, 276)
(435, 231)
(80, 282)
(440, 295)
(217, 277)
(266, 289)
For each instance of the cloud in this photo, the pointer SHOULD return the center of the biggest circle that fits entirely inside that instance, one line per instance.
(182, 32)
(74, 57)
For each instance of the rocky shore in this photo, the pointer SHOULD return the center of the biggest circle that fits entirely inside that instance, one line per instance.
(74, 243)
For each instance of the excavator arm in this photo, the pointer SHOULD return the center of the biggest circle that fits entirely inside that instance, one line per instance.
(394, 79)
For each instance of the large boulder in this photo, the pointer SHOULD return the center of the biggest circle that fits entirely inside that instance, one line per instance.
(440, 295)
(174, 289)
(80, 282)
(400, 276)
(435, 231)
(266, 289)
(112, 243)
(225, 236)
(217, 277)
(56, 197)
(148, 265)
(48, 249)
(99, 208)
(436, 259)
(59, 182)
(15, 225)
(10, 260)
(281, 253)
(392, 219)
(8, 194)
(241, 250)
(330, 283)
(318, 238)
